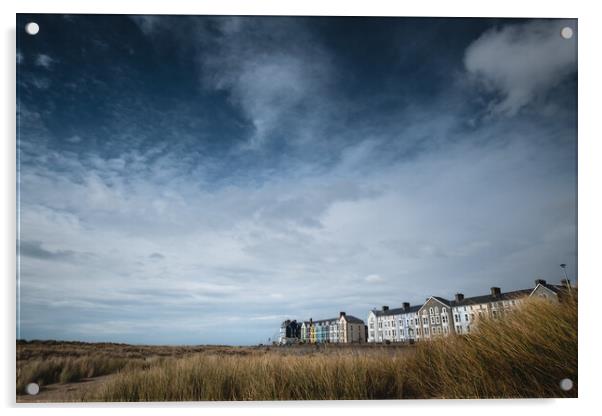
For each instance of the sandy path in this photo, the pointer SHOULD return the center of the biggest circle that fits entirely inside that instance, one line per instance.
(66, 392)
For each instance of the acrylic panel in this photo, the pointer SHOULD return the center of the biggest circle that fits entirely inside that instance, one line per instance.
(295, 208)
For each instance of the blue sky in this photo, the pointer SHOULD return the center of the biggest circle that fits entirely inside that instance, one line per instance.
(199, 179)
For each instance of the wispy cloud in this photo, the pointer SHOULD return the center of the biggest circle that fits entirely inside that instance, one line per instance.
(522, 61)
(44, 60)
(272, 69)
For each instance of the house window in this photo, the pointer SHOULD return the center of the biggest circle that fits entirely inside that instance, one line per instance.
(432, 320)
(431, 311)
(436, 309)
(466, 317)
(437, 319)
(457, 317)
(443, 310)
(425, 321)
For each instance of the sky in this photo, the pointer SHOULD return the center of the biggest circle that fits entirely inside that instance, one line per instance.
(199, 179)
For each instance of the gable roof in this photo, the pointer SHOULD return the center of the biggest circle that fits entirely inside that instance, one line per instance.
(553, 288)
(353, 320)
(442, 300)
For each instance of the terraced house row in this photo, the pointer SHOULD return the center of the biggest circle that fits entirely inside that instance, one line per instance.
(440, 317)
(437, 316)
(344, 329)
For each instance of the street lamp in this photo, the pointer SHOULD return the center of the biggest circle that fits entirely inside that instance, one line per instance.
(563, 267)
(566, 279)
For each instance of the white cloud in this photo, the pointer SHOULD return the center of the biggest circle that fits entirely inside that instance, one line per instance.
(270, 70)
(374, 278)
(522, 62)
(74, 139)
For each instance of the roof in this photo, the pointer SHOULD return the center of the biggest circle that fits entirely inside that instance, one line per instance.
(475, 300)
(553, 288)
(350, 318)
(396, 311)
(443, 300)
(354, 320)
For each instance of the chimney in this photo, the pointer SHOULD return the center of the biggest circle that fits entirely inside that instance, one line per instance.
(385, 308)
(341, 314)
(540, 282)
(459, 297)
(311, 321)
(405, 306)
(495, 292)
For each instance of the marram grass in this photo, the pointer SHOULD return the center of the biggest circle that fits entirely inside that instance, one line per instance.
(524, 355)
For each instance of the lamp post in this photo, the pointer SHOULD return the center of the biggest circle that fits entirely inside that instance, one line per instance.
(563, 267)
(568, 283)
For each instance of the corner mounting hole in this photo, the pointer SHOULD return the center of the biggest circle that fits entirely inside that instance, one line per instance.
(32, 389)
(566, 32)
(32, 28)
(566, 384)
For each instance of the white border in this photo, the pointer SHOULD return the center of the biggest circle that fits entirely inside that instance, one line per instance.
(590, 201)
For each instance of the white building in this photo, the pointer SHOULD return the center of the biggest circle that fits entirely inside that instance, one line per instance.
(393, 325)
(467, 311)
(441, 317)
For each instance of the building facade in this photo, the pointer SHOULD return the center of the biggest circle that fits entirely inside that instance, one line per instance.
(290, 332)
(434, 318)
(442, 317)
(393, 325)
(344, 329)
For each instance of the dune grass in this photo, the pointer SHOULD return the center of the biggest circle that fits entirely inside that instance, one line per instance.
(524, 355)
(69, 369)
